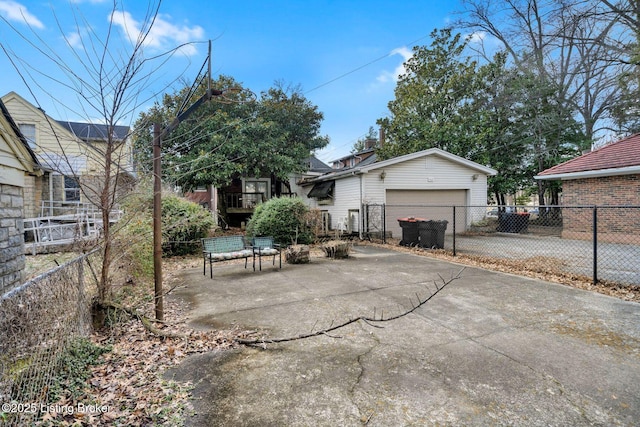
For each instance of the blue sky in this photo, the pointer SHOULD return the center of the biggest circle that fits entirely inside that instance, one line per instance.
(345, 55)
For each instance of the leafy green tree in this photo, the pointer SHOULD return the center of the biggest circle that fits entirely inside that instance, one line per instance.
(495, 115)
(494, 128)
(269, 137)
(431, 100)
(581, 47)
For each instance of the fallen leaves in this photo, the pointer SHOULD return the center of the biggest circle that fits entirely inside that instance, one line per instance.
(128, 387)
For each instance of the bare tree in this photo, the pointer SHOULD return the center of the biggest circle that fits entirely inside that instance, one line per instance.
(111, 75)
(568, 44)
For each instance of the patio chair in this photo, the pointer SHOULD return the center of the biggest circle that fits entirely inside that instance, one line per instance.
(265, 246)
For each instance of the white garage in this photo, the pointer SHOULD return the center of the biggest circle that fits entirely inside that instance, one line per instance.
(427, 183)
(428, 204)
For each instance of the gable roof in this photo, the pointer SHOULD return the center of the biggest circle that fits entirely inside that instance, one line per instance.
(317, 165)
(366, 167)
(619, 158)
(24, 154)
(95, 132)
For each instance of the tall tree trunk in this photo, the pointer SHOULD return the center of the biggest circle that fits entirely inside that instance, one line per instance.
(104, 290)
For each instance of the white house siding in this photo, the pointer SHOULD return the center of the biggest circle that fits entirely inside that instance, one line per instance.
(430, 173)
(427, 173)
(346, 197)
(464, 184)
(299, 190)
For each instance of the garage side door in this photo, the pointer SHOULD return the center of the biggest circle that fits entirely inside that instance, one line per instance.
(429, 204)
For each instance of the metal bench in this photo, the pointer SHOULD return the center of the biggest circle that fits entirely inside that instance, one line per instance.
(265, 246)
(225, 248)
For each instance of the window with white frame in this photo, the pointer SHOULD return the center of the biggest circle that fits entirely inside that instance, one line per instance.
(29, 132)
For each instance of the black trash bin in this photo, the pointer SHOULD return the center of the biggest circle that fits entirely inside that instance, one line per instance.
(410, 236)
(432, 233)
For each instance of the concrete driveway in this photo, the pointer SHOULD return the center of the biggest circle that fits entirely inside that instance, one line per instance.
(490, 349)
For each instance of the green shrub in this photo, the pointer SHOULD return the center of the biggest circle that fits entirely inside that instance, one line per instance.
(283, 218)
(184, 223)
(133, 237)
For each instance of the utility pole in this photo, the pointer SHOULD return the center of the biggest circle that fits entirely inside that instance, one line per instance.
(157, 223)
(158, 134)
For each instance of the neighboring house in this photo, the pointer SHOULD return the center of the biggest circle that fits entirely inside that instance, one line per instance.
(71, 154)
(18, 169)
(239, 198)
(354, 159)
(96, 136)
(404, 184)
(607, 176)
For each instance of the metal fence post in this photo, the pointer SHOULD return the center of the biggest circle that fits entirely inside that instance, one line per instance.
(595, 245)
(363, 221)
(454, 230)
(384, 224)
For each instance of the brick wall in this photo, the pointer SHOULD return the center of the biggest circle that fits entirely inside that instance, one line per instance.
(12, 258)
(605, 191)
(620, 225)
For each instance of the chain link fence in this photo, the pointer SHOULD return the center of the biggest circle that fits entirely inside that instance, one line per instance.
(38, 322)
(601, 243)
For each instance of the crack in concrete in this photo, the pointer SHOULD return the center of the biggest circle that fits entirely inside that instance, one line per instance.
(364, 414)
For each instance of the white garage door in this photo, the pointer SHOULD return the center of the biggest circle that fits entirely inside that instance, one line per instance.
(428, 204)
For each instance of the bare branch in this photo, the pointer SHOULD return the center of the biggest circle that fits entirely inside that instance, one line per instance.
(262, 342)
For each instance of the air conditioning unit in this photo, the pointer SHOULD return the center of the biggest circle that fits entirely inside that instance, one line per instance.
(326, 222)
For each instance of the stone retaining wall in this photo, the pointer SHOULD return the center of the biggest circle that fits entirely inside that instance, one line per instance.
(12, 258)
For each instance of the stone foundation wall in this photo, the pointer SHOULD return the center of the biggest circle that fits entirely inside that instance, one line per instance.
(12, 258)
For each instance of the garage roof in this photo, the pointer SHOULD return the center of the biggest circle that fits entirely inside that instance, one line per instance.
(365, 168)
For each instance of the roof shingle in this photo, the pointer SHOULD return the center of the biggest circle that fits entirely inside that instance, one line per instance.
(620, 154)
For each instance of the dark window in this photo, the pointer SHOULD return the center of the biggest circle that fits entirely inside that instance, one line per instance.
(71, 189)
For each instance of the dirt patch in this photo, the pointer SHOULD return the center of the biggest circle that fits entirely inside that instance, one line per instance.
(596, 333)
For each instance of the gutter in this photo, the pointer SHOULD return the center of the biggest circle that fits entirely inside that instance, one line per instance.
(629, 170)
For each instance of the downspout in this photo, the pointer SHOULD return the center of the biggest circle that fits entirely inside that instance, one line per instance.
(50, 194)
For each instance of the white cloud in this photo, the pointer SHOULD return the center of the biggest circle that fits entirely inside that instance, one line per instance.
(484, 40)
(392, 76)
(163, 35)
(74, 39)
(477, 37)
(14, 11)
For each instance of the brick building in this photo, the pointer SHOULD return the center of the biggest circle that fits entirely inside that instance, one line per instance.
(609, 178)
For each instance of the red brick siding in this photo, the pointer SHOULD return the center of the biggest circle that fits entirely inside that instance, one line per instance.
(614, 224)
